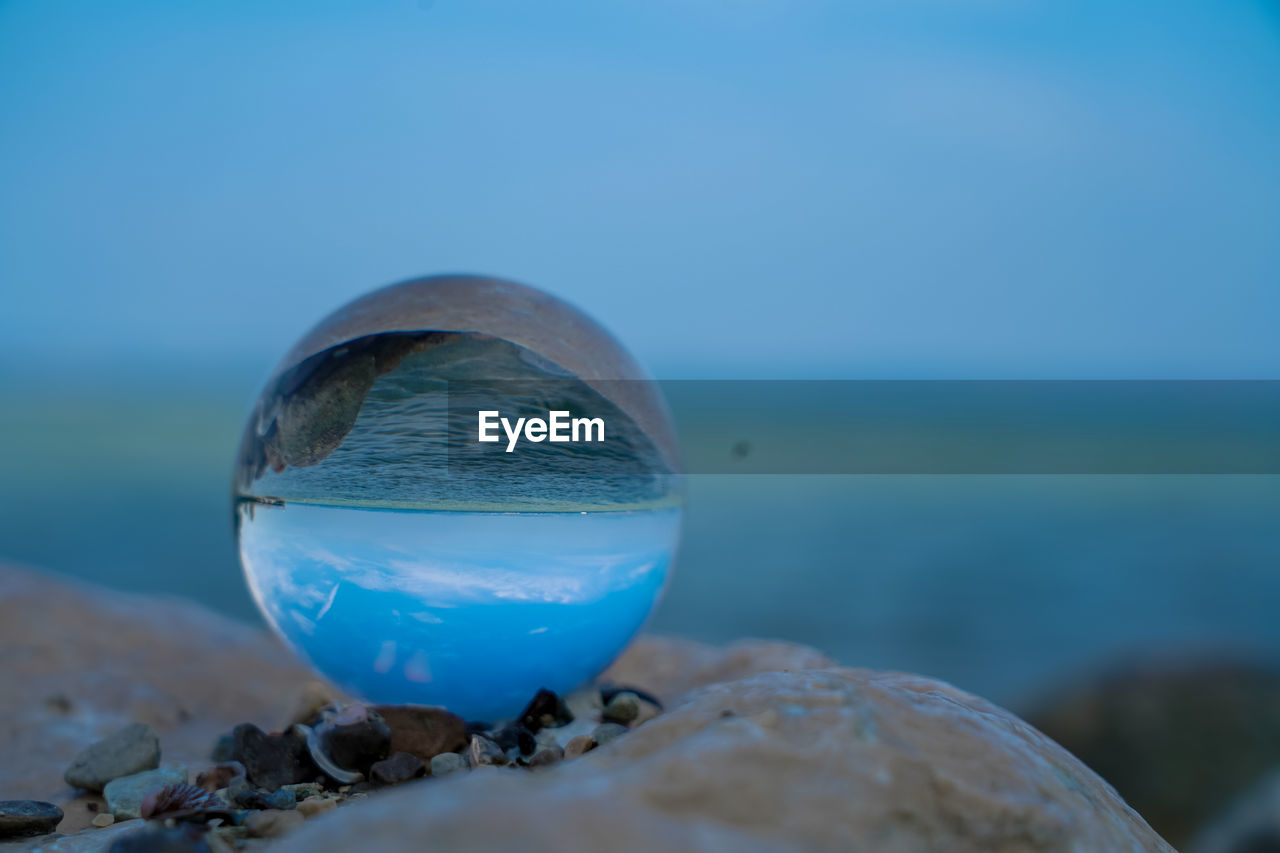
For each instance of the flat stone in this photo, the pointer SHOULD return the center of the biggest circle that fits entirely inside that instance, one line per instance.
(272, 823)
(446, 763)
(104, 820)
(423, 731)
(400, 767)
(125, 795)
(133, 749)
(24, 818)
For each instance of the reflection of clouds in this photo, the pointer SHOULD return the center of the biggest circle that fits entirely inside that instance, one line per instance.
(300, 557)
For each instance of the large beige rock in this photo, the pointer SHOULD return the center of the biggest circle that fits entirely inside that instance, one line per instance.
(765, 746)
(827, 758)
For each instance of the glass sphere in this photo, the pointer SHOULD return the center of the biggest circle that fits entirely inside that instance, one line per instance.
(409, 561)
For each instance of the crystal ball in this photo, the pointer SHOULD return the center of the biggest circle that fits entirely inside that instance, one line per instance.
(410, 554)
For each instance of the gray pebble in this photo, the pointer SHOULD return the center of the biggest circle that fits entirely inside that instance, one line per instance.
(133, 749)
(282, 800)
(483, 752)
(623, 708)
(606, 732)
(24, 818)
(547, 756)
(124, 795)
(446, 763)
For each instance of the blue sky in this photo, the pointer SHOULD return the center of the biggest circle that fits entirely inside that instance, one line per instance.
(971, 188)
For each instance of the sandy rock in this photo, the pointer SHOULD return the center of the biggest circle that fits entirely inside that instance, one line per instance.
(82, 662)
(668, 667)
(820, 759)
(763, 746)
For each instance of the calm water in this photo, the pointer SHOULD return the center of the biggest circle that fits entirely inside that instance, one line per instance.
(1002, 585)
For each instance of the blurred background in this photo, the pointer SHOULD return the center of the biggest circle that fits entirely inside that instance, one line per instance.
(750, 189)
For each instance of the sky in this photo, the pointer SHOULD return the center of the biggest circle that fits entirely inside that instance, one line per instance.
(758, 188)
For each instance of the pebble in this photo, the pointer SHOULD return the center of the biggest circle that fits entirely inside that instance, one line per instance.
(400, 767)
(125, 795)
(606, 732)
(446, 763)
(515, 738)
(272, 823)
(424, 731)
(485, 753)
(282, 800)
(546, 710)
(251, 798)
(355, 738)
(220, 775)
(547, 756)
(579, 745)
(608, 691)
(623, 708)
(271, 761)
(133, 749)
(304, 790)
(312, 806)
(104, 820)
(24, 818)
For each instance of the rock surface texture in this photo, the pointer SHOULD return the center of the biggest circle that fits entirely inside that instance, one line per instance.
(762, 746)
